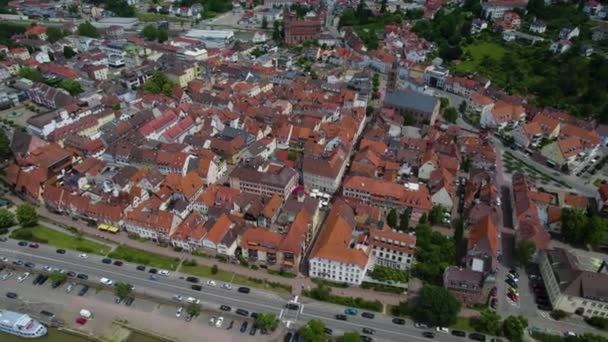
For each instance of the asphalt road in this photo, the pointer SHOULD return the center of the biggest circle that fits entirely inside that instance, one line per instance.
(213, 297)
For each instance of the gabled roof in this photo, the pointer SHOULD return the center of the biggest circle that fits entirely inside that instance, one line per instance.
(484, 237)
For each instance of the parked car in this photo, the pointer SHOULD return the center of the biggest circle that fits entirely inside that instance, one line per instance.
(219, 321)
(459, 333)
(253, 330)
(70, 287)
(29, 265)
(12, 295)
(82, 276)
(512, 296)
(421, 325)
(227, 286)
(494, 303)
(514, 272)
(242, 312)
(106, 260)
(106, 281)
(243, 327)
(83, 290)
(224, 308)
(163, 273)
(368, 315)
(351, 311)
(211, 283)
(494, 291)
(83, 255)
(129, 301)
(22, 243)
(117, 263)
(140, 268)
(60, 251)
(243, 289)
(327, 331)
(153, 271)
(179, 311)
(477, 337)
(399, 321)
(442, 330)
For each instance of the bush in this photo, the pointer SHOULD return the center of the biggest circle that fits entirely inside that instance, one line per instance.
(255, 267)
(243, 261)
(282, 273)
(3, 231)
(598, 322)
(382, 288)
(558, 314)
(322, 282)
(323, 293)
(177, 249)
(214, 269)
(200, 254)
(221, 258)
(190, 262)
(85, 249)
(73, 230)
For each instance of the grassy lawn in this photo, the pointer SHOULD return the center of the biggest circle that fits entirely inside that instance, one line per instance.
(61, 240)
(477, 51)
(463, 323)
(143, 257)
(225, 276)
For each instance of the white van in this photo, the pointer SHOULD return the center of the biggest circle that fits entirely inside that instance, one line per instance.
(86, 313)
(193, 300)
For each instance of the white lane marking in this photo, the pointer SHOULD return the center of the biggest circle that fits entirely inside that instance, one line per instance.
(142, 279)
(363, 326)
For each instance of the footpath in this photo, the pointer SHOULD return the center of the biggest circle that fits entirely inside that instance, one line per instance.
(300, 282)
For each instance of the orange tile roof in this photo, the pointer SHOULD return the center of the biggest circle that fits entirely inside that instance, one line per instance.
(297, 233)
(390, 239)
(420, 198)
(570, 146)
(588, 137)
(484, 232)
(191, 228)
(336, 236)
(273, 206)
(219, 229)
(576, 201)
(187, 186)
(261, 239)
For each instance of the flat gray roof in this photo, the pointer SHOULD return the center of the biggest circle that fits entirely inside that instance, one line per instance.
(411, 100)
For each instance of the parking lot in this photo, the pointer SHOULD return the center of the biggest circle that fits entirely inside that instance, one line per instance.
(65, 307)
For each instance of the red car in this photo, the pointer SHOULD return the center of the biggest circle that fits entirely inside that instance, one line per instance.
(512, 296)
(34, 245)
(494, 290)
(81, 320)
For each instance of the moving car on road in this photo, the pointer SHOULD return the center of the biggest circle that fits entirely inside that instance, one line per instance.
(428, 334)
(351, 311)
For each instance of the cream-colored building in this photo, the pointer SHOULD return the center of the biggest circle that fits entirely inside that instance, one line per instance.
(571, 288)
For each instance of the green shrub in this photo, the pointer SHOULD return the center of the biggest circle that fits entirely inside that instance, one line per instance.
(221, 258)
(382, 288)
(190, 262)
(282, 273)
(558, 314)
(598, 322)
(214, 269)
(322, 282)
(84, 249)
(324, 294)
(177, 249)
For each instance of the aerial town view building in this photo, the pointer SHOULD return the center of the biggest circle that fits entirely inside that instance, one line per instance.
(304, 170)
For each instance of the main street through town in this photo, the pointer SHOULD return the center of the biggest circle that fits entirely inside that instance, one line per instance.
(212, 296)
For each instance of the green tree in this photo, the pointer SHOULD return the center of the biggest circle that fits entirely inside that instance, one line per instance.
(408, 119)
(514, 326)
(598, 322)
(404, 219)
(55, 33)
(31, 74)
(391, 218)
(150, 32)
(5, 145)
(462, 108)
(383, 273)
(264, 23)
(350, 336)
(488, 322)
(450, 114)
(27, 215)
(158, 83)
(524, 252)
(276, 31)
(436, 214)
(558, 314)
(596, 230)
(436, 306)
(214, 269)
(574, 221)
(313, 331)
(163, 36)
(268, 321)
(57, 276)
(444, 102)
(7, 218)
(434, 252)
(383, 6)
(123, 290)
(194, 309)
(88, 30)
(72, 86)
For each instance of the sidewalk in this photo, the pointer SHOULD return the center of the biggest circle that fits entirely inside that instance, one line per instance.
(60, 222)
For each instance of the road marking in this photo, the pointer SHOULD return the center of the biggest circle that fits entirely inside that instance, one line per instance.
(141, 279)
(365, 326)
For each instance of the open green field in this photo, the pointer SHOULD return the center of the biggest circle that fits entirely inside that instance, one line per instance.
(143, 257)
(229, 277)
(58, 239)
(477, 52)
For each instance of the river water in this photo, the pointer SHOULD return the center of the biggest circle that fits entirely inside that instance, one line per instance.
(55, 335)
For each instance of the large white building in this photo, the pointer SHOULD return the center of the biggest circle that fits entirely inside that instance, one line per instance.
(392, 249)
(336, 255)
(325, 173)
